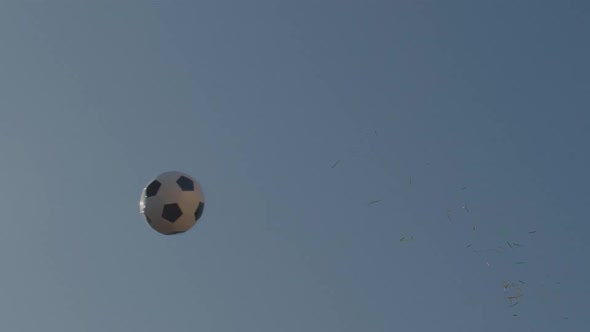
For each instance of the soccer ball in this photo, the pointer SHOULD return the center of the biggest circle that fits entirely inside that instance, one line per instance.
(172, 203)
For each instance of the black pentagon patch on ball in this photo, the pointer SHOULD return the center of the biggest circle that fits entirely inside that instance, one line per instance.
(152, 188)
(199, 210)
(171, 212)
(185, 183)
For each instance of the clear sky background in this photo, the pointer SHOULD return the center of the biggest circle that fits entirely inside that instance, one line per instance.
(455, 114)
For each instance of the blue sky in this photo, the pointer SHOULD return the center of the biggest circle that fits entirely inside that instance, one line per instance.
(454, 115)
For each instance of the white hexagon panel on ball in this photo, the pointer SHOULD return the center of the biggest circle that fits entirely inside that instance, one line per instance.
(172, 203)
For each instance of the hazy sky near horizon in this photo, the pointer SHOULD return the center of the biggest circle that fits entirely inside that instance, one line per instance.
(467, 120)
